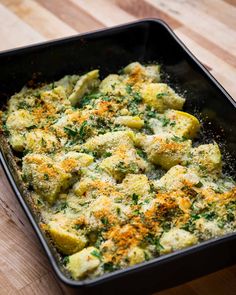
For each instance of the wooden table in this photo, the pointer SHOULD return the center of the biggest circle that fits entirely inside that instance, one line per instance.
(207, 27)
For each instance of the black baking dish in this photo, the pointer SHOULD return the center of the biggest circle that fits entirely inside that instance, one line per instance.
(111, 49)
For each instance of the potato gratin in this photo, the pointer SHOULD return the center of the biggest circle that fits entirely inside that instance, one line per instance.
(112, 169)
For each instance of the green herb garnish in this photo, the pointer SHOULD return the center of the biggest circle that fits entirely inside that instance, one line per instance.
(199, 184)
(70, 131)
(96, 254)
(141, 153)
(65, 260)
(109, 266)
(82, 130)
(150, 112)
(165, 121)
(160, 95)
(128, 89)
(178, 139)
(105, 220)
(209, 215)
(136, 212)
(62, 206)
(45, 176)
(40, 202)
(137, 97)
(107, 154)
(118, 211)
(78, 226)
(135, 199)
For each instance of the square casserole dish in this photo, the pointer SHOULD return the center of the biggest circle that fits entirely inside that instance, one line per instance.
(109, 50)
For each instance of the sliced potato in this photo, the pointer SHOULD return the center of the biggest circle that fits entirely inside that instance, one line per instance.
(110, 141)
(139, 73)
(74, 161)
(118, 166)
(82, 186)
(136, 255)
(47, 178)
(176, 178)
(17, 141)
(161, 97)
(85, 84)
(41, 141)
(206, 158)
(83, 262)
(19, 120)
(186, 124)
(113, 85)
(208, 229)
(166, 150)
(130, 121)
(67, 242)
(68, 82)
(122, 162)
(176, 122)
(176, 239)
(135, 184)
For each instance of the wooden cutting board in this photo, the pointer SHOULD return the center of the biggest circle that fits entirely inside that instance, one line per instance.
(207, 27)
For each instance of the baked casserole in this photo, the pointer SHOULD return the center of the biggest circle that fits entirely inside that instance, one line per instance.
(115, 168)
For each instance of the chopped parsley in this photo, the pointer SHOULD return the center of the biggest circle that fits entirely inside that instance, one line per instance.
(159, 246)
(118, 200)
(107, 154)
(199, 184)
(43, 142)
(78, 226)
(105, 220)
(62, 206)
(70, 131)
(189, 226)
(195, 216)
(96, 254)
(109, 267)
(209, 215)
(106, 98)
(37, 94)
(135, 199)
(178, 139)
(137, 97)
(165, 121)
(46, 176)
(141, 153)
(122, 168)
(40, 202)
(82, 129)
(160, 95)
(77, 134)
(31, 127)
(5, 129)
(153, 240)
(166, 225)
(65, 260)
(88, 98)
(128, 89)
(118, 211)
(230, 217)
(23, 105)
(136, 212)
(150, 112)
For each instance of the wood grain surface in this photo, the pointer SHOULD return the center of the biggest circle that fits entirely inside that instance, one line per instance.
(207, 27)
